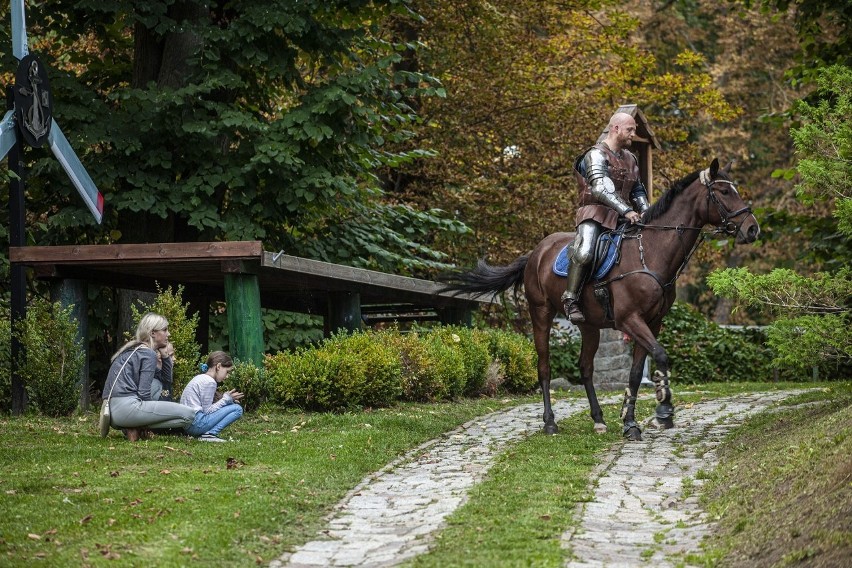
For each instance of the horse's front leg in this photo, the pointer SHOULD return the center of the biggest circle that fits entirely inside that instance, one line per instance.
(542, 322)
(665, 410)
(591, 339)
(628, 407)
(646, 342)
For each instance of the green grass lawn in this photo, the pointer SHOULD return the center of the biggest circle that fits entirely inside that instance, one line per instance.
(71, 498)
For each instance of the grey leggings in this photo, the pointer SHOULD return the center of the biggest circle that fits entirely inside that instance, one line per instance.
(130, 412)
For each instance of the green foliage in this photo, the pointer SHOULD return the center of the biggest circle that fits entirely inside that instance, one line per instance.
(282, 331)
(783, 291)
(54, 358)
(700, 351)
(811, 342)
(262, 120)
(250, 380)
(345, 371)
(5, 358)
(813, 328)
(565, 357)
(182, 328)
(472, 345)
(824, 144)
(517, 359)
(377, 369)
(432, 369)
(814, 313)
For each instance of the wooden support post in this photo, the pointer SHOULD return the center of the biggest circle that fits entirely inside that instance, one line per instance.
(201, 306)
(18, 278)
(75, 293)
(456, 316)
(245, 330)
(344, 312)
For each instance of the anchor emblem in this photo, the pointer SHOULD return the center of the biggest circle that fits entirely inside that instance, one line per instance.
(33, 100)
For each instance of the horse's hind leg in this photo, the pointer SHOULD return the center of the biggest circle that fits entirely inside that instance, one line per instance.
(591, 341)
(542, 320)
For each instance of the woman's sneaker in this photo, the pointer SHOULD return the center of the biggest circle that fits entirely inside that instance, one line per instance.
(211, 438)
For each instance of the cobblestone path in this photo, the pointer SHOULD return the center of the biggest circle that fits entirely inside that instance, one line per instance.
(645, 509)
(390, 516)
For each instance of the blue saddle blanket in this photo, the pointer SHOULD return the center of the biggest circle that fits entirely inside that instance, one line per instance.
(608, 242)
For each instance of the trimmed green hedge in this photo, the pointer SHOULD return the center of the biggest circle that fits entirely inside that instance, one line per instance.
(374, 369)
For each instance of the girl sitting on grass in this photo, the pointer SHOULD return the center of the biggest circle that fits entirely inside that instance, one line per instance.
(211, 417)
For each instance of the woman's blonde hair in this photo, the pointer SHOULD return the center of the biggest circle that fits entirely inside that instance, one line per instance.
(149, 323)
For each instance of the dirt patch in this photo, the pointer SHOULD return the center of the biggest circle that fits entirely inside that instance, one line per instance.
(783, 494)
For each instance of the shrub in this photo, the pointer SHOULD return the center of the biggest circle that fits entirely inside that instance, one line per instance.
(345, 371)
(250, 380)
(5, 359)
(54, 358)
(376, 369)
(369, 371)
(182, 330)
(472, 347)
(429, 366)
(699, 350)
(565, 357)
(517, 359)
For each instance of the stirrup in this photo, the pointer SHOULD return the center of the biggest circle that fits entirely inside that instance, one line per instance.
(572, 310)
(571, 306)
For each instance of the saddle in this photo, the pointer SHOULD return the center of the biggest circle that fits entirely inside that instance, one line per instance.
(607, 254)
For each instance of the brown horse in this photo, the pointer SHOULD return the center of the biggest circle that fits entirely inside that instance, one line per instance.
(636, 293)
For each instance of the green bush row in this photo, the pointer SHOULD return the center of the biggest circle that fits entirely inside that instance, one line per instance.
(698, 350)
(374, 369)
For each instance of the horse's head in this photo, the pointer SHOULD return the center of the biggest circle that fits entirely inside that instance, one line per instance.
(726, 208)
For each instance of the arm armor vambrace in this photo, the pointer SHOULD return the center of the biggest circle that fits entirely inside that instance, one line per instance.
(640, 203)
(600, 184)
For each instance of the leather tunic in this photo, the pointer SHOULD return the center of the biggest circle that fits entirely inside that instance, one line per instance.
(623, 170)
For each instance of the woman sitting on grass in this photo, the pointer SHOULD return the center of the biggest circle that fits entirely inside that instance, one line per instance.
(129, 382)
(212, 417)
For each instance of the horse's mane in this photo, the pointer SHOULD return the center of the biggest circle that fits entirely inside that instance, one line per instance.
(664, 203)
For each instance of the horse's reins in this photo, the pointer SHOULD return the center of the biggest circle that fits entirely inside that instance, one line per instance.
(723, 227)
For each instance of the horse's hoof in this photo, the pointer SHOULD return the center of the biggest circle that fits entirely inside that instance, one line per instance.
(663, 423)
(633, 434)
(550, 429)
(600, 428)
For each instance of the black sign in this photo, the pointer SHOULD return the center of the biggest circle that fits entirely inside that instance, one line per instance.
(33, 102)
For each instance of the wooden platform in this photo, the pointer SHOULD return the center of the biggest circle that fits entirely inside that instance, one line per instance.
(286, 282)
(243, 274)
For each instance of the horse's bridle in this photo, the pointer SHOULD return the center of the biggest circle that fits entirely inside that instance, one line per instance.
(726, 226)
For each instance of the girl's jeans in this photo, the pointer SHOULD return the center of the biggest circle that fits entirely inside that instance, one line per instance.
(214, 422)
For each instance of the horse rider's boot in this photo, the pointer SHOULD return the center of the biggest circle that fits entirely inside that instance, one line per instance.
(571, 296)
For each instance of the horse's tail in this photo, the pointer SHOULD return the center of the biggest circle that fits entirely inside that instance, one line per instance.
(486, 279)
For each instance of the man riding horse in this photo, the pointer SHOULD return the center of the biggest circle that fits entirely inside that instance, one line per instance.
(608, 176)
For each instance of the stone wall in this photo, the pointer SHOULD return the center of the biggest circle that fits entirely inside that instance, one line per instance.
(612, 361)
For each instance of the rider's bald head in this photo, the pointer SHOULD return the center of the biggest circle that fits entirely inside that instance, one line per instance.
(620, 133)
(621, 119)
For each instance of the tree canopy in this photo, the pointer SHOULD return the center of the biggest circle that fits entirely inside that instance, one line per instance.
(233, 120)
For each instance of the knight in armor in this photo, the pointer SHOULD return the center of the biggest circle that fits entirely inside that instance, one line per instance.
(608, 178)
